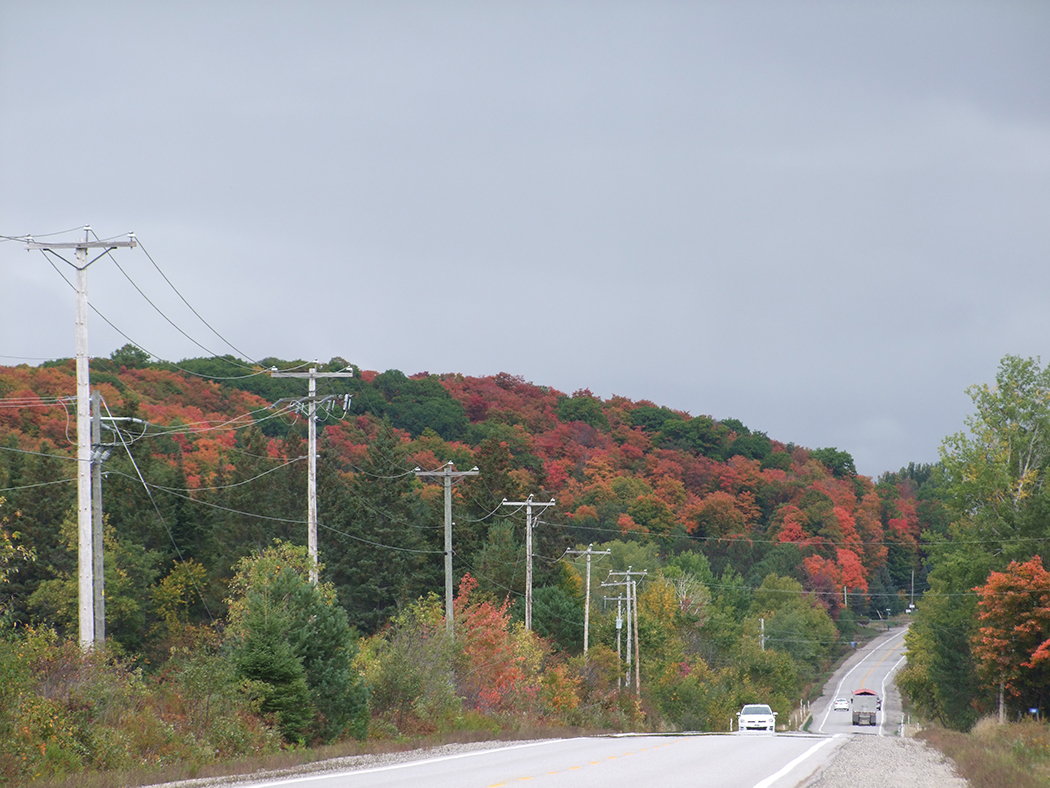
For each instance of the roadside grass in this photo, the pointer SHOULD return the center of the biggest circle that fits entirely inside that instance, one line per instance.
(1014, 755)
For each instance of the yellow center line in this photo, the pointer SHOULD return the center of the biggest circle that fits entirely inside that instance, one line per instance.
(884, 658)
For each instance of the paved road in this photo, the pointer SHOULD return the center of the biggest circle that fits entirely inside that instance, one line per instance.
(738, 760)
(742, 760)
(871, 667)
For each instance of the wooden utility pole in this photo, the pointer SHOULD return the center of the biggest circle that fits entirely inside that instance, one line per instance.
(632, 619)
(619, 632)
(587, 603)
(448, 473)
(85, 539)
(98, 455)
(311, 483)
(528, 504)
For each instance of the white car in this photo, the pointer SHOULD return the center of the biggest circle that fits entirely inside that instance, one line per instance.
(841, 704)
(756, 717)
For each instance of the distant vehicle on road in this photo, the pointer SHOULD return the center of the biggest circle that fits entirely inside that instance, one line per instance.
(841, 704)
(756, 717)
(864, 704)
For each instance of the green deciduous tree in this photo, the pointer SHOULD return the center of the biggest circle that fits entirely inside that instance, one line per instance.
(583, 406)
(838, 462)
(996, 472)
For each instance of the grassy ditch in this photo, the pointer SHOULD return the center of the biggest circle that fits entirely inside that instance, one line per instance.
(1014, 755)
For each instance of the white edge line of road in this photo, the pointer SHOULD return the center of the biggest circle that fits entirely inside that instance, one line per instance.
(889, 674)
(774, 777)
(330, 774)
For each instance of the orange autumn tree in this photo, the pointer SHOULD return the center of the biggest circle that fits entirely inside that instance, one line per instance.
(1012, 644)
(495, 663)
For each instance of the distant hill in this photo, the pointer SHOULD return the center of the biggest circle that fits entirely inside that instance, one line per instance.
(223, 458)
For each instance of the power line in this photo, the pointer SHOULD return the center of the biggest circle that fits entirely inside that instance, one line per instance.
(160, 515)
(141, 347)
(187, 303)
(161, 313)
(38, 484)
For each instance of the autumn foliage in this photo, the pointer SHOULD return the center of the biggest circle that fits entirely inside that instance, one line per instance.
(708, 508)
(1012, 645)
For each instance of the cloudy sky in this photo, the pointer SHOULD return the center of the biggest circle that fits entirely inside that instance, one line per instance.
(825, 219)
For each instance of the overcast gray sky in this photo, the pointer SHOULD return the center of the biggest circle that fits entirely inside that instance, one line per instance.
(823, 219)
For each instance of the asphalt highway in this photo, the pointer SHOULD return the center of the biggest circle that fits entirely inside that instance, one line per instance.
(733, 760)
(872, 668)
(740, 760)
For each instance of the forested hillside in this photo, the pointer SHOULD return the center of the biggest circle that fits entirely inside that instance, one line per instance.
(204, 494)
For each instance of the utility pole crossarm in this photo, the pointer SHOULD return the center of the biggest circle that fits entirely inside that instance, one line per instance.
(311, 485)
(311, 374)
(587, 601)
(632, 620)
(528, 504)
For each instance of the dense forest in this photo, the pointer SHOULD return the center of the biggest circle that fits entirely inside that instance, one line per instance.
(759, 560)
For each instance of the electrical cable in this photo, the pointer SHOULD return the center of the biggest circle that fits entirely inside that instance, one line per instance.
(38, 484)
(172, 323)
(38, 453)
(196, 428)
(187, 303)
(379, 544)
(180, 295)
(30, 236)
(156, 508)
(230, 486)
(137, 345)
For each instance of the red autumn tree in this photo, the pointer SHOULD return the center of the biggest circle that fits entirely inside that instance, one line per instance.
(1011, 646)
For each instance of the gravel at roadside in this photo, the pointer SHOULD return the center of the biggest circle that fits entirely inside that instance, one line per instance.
(887, 762)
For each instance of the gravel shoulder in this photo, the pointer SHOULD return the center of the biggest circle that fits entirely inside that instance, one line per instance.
(887, 762)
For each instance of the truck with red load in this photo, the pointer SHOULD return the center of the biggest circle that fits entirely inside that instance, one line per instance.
(864, 704)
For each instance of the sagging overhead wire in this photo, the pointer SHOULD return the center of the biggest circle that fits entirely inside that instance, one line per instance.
(30, 236)
(160, 515)
(379, 544)
(38, 484)
(255, 372)
(139, 345)
(240, 421)
(190, 307)
(230, 486)
(161, 312)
